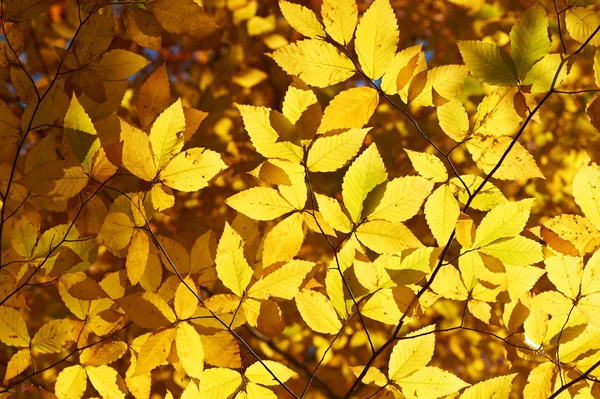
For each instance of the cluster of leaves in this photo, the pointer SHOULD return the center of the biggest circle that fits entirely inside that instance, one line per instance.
(166, 231)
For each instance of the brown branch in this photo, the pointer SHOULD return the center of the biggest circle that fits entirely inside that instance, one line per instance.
(465, 210)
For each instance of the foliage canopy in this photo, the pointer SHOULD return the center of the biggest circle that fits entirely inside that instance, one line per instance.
(324, 199)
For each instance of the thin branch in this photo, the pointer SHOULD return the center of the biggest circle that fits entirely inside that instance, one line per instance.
(575, 381)
(560, 35)
(337, 261)
(560, 370)
(148, 229)
(404, 111)
(323, 358)
(64, 359)
(292, 360)
(465, 210)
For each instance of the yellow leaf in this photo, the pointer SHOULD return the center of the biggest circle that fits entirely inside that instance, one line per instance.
(351, 108)
(377, 38)
(581, 22)
(496, 114)
(137, 155)
(192, 169)
(190, 350)
(17, 364)
(431, 383)
(448, 284)
(445, 81)
(296, 193)
(116, 231)
(366, 172)
(493, 388)
(190, 391)
(71, 383)
(318, 224)
(373, 376)
(340, 17)
(302, 19)
(442, 212)
(77, 119)
(539, 382)
(402, 199)
(259, 374)
(317, 311)
(454, 120)
(147, 309)
(384, 306)
(13, 330)
(155, 351)
(257, 122)
(536, 327)
(529, 40)
(590, 281)
(166, 135)
(316, 62)
(336, 291)
(504, 221)
(586, 191)
(386, 237)
(72, 181)
(154, 94)
(554, 303)
(284, 241)
(521, 279)
(181, 16)
(119, 64)
(106, 162)
(260, 203)
(174, 255)
(232, 267)
(137, 256)
(186, 301)
(480, 310)
(139, 385)
(53, 336)
(428, 165)
(202, 253)
(54, 180)
(104, 380)
(264, 315)
(541, 75)
(412, 267)
(565, 273)
(255, 391)
(487, 63)
(105, 353)
(332, 213)
(488, 198)
(330, 153)
(296, 102)
(219, 383)
(401, 61)
(584, 342)
(412, 353)
(162, 197)
(24, 237)
(283, 282)
(249, 77)
(516, 251)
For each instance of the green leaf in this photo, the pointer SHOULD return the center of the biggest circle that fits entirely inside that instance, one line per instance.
(486, 62)
(529, 40)
(166, 135)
